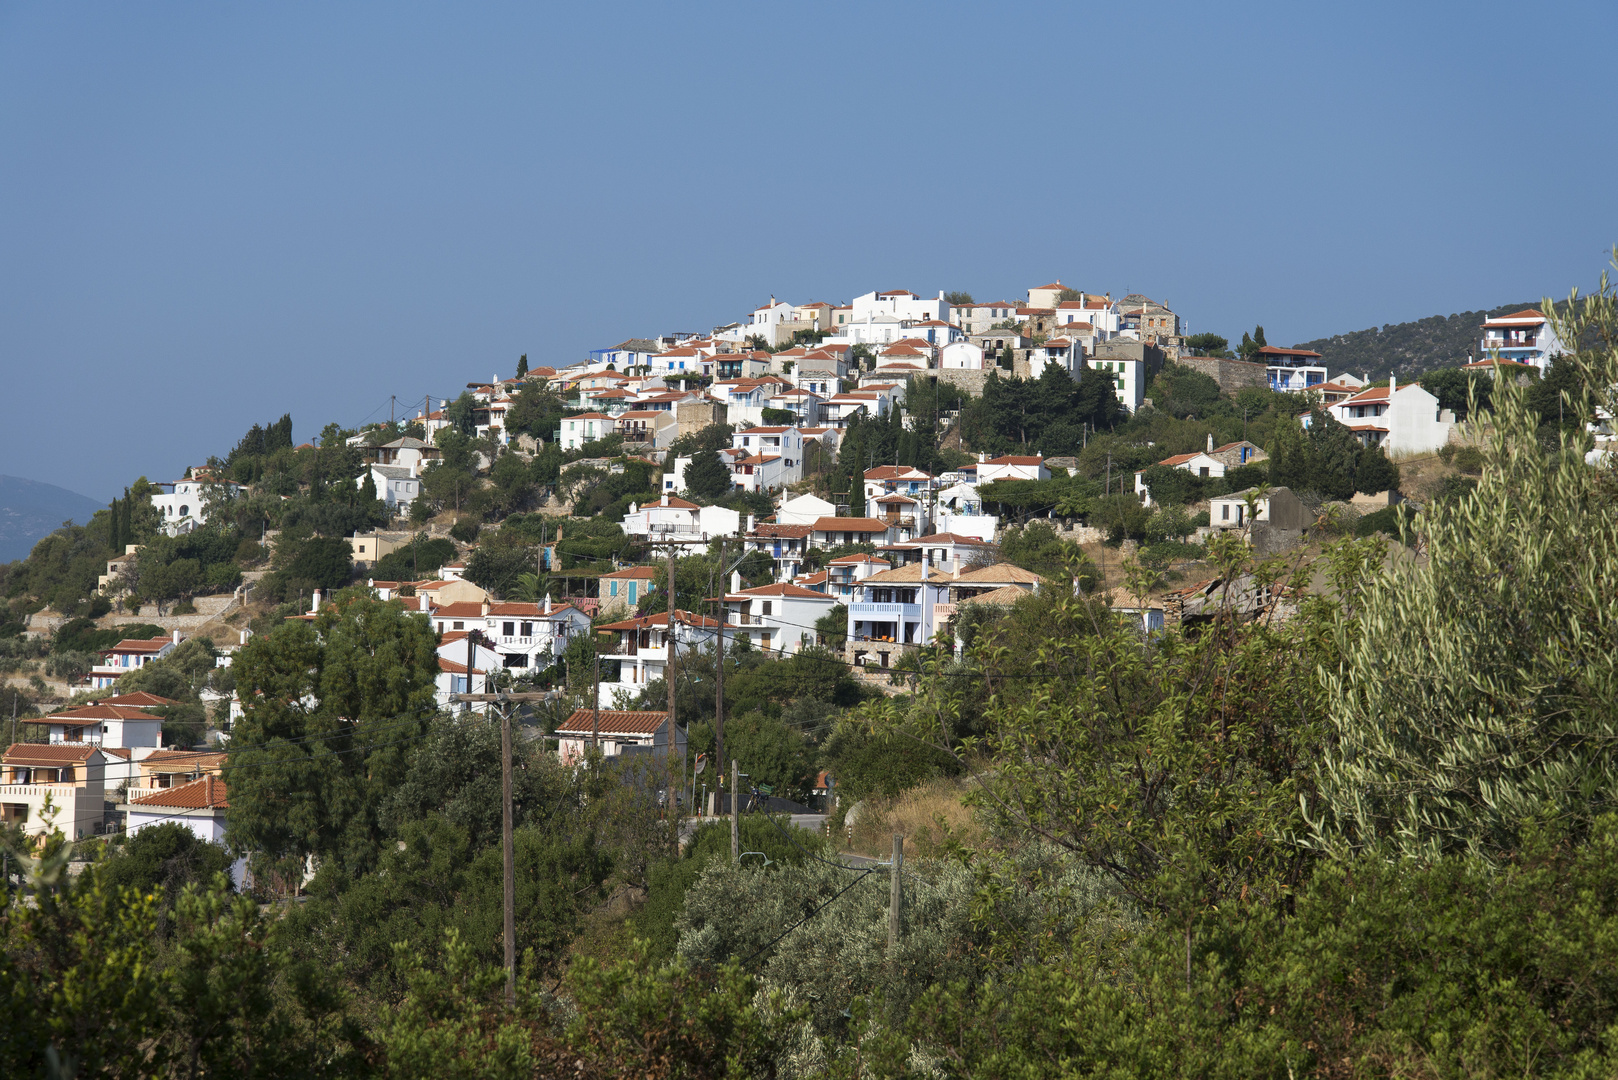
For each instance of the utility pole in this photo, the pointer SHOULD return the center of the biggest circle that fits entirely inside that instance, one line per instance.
(673, 643)
(508, 858)
(895, 892)
(595, 660)
(735, 813)
(719, 672)
(508, 851)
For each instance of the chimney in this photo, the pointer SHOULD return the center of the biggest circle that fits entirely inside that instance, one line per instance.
(982, 457)
(547, 603)
(735, 581)
(1210, 442)
(177, 633)
(243, 638)
(485, 607)
(1393, 386)
(751, 525)
(317, 601)
(665, 501)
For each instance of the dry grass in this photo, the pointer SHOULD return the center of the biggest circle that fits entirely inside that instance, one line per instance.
(928, 817)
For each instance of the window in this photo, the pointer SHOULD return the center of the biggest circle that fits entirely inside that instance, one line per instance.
(1204, 470)
(527, 629)
(460, 625)
(766, 607)
(1224, 512)
(508, 629)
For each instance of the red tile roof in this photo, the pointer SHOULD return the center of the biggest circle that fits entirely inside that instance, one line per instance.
(207, 793)
(47, 754)
(1529, 314)
(613, 722)
(1274, 350)
(95, 714)
(453, 668)
(781, 589)
(140, 699)
(772, 530)
(661, 620)
(862, 557)
(138, 645)
(1014, 459)
(860, 524)
(642, 573)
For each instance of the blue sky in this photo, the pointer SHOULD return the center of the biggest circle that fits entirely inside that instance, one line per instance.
(213, 214)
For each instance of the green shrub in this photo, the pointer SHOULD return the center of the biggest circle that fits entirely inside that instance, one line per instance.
(1468, 459)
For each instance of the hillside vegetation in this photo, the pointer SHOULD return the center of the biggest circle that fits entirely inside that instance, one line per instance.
(1409, 348)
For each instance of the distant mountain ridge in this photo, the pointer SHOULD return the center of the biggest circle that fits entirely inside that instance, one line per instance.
(31, 510)
(1408, 349)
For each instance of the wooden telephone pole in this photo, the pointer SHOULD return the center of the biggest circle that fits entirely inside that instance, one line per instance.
(507, 848)
(673, 644)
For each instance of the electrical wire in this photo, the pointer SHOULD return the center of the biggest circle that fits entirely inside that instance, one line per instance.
(773, 942)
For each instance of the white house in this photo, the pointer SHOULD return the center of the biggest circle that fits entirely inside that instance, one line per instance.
(949, 553)
(1128, 377)
(584, 428)
(961, 356)
(1012, 467)
(199, 806)
(184, 505)
(1292, 370)
(831, 532)
(844, 573)
(1524, 337)
(1197, 464)
(1400, 419)
(684, 520)
(900, 304)
(894, 610)
(640, 654)
(396, 485)
(782, 542)
(517, 634)
(128, 655)
(804, 510)
(101, 724)
(777, 618)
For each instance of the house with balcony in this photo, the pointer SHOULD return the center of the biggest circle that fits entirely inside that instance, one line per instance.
(896, 480)
(657, 428)
(520, 635)
(682, 520)
(949, 553)
(1522, 338)
(71, 778)
(785, 544)
(776, 619)
(584, 428)
(101, 724)
(742, 366)
(639, 654)
(1292, 371)
(906, 514)
(845, 573)
(624, 589)
(831, 532)
(127, 656)
(620, 733)
(164, 769)
(895, 610)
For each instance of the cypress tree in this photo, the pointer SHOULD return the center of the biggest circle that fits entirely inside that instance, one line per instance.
(1258, 337)
(522, 365)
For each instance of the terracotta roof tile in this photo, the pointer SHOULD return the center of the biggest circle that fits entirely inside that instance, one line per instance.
(207, 793)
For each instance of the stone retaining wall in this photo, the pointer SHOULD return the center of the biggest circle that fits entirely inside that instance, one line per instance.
(1231, 375)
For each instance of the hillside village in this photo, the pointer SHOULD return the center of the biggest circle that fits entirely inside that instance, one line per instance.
(864, 482)
(677, 645)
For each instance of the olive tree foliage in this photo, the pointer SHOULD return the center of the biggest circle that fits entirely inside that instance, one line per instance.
(1173, 764)
(1478, 691)
(959, 923)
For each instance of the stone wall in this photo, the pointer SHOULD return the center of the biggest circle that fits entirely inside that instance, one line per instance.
(1231, 375)
(968, 380)
(693, 416)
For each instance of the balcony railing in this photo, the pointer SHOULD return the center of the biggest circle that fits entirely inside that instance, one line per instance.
(862, 611)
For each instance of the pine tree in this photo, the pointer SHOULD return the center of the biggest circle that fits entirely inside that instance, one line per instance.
(1376, 473)
(522, 365)
(1246, 349)
(1289, 457)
